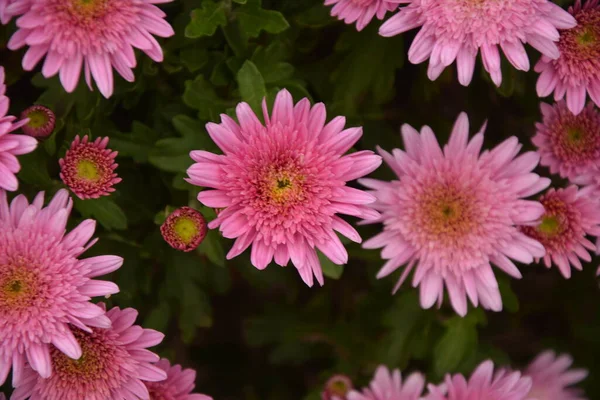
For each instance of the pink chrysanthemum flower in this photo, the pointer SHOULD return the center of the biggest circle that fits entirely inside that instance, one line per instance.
(458, 29)
(552, 376)
(98, 35)
(11, 145)
(568, 144)
(282, 183)
(114, 364)
(336, 388)
(88, 168)
(483, 384)
(360, 11)
(569, 216)
(454, 212)
(184, 229)
(5, 15)
(45, 288)
(177, 386)
(388, 385)
(576, 72)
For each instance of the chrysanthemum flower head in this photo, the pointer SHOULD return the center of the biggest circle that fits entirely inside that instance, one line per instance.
(569, 216)
(388, 385)
(96, 35)
(184, 229)
(483, 384)
(114, 364)
(11, 145)
(360, 12)
(45, 288)
(88, 168)
(41, 121)
(177, 386)
(552, 376)
(455, 211)
(568, 144)
(456, 30)
(282, 184)
(336, 388)
(576, 72)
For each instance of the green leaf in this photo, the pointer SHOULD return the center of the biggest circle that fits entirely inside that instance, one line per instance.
(211, 247)
(34, 169)
(104, 210)
(253, 19)
(269, 62)
(330, 269)
(200, 95)
(194, 58)
(252, 85)
(136, 144)
(455, 345)
(206, 19)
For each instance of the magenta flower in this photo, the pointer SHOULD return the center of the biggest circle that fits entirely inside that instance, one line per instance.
(88, 168)
(568, 144)
(453, 212)
(282, 183)
(552, 376)
(388, 385)
(41, 121)
(11, 145)
(95, 35)
(569, 216)
(114, 364)
(177, 386)
(483, 384)
(456, 31)
(184, 229)
(576, 72)
(45, 288)
(360, 12)
(336, 388)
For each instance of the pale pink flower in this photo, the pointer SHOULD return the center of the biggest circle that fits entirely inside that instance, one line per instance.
(569, 216)
(552, 376)
(454, 212)
(88, 168)
(336, 388)
(281, 184)
(114, 364)
(388, 385)
(97, 35)
(177, 386)
(483, 384)
(360, 11)
(45, 288)
(457, 29)
(11, 145)
(576, 72)
(568, 144)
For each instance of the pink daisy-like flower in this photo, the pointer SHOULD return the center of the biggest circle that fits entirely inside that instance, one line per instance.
(336, 388)
(455, 30)
(576, 72)
(552, 376)
(177, 386)
(282, 183)
(88, 168)
(184, 229)
(98, 35)
(360, 11)
(483, 384)
(568, 144)
(388, 385)
(569, 216)
(114, 364)
(11, 145)
(45, 289)
(455, 211)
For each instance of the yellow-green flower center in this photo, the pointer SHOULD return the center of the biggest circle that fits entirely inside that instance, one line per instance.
(587, 37)
(88, 9)
(339, 388)
(37, 119)
(186, 229)
(91, 364)
(550, 226)
(18, 287)
(88, 170)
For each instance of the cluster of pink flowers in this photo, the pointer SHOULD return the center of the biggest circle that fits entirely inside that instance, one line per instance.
(548, 377)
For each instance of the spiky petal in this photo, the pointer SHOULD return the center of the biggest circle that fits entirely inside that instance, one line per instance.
(389, 385)
(178, 385)
(281, 184)
(360, 12)
(454, 212)
(552, 377)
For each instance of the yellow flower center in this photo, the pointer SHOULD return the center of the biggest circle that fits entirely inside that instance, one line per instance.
(18, 287)
(447, 212)
(88, 170)
(37, 119)
(88, 9)
(89, 366)
(550, 226)
(285, 187)
(186, 229)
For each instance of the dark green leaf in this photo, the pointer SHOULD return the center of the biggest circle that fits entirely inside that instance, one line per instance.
(104, 210)
(206, 19)
(253, 19)
(252, 85)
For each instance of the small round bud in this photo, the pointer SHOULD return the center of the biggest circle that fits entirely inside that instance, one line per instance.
(184, 229)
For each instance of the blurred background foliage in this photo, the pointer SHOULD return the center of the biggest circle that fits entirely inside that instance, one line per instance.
(265, 335)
